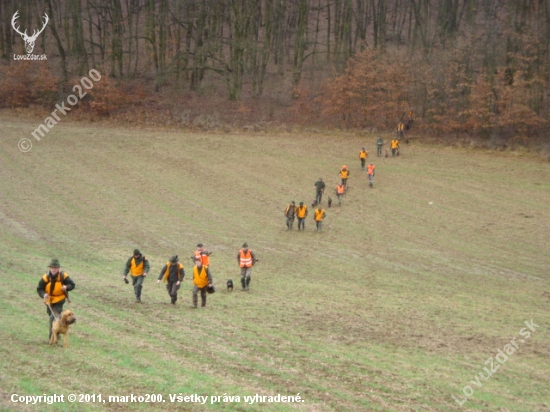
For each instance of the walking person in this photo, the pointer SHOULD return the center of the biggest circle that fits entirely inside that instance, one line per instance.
(363, 154)
(203, 254)
(319, 216)
(400, 130)
(138, 267)
(301, 214)
(340, 190)
(370, 174)
(290, 213)
(172, 273)
(246, 260)
(202, 279)
(344, 174)
(319, 190)
(395, 147)
(54, 288)
(379, 144)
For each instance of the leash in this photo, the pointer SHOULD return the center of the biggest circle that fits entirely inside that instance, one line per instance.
(52, 312)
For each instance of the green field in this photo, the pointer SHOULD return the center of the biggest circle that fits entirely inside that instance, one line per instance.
(395, 306)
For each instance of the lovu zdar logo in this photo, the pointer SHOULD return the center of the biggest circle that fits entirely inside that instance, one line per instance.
(29, 40)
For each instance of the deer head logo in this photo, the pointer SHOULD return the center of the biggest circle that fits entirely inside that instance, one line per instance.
(29, 40)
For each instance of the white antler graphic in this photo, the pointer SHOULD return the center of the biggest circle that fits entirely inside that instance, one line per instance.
(29, 41)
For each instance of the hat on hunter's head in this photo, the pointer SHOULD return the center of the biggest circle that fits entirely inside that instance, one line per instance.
(301, 203)
(245, 244)
(54, 264)
(137, 252)
(293, 202)
(174, 259)
(199, 245)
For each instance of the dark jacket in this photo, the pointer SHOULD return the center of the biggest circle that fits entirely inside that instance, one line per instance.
(175, 272)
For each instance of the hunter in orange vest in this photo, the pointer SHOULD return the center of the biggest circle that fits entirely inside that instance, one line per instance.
(54, 288)
(340, 190)
(203, 254)
(138, 267)
(370, 174)
(344, 174)
(301, 214)
(363, 154)
(394, 147)
(319, 216)
(246, 260)
(202, 280)
(172, 274)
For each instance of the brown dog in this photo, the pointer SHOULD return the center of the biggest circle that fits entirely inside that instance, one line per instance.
(60, 326)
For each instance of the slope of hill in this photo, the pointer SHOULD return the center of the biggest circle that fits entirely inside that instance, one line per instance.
(396, 306)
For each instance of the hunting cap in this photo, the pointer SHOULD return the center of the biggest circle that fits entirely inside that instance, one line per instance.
(200, 245)
(301, 203)
(293, 202)
(54, 264)
(174, 259)
(245, 244)
(137, 252)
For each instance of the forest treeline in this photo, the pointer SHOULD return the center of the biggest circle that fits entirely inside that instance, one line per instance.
(480, 67)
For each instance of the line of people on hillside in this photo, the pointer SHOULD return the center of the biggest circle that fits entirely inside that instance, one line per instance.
(300, 212)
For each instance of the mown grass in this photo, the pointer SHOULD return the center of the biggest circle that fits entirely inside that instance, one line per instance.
(395, 306)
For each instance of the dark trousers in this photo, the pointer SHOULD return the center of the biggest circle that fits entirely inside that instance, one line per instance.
(137, 283)
(196, 291)
(289, 222)
(302, 223)
(363, 163)
(318, 196)
(172, 288)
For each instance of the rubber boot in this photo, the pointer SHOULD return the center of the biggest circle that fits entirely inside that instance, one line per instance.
(203, 301)
(247, 283)
(243, 283)
(195, 301)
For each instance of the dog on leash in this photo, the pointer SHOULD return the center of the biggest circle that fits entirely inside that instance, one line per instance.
(229, 285)
(60, 326)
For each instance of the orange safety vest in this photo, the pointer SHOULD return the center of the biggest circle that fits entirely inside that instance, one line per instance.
(363, 154)
(301, 212)
(340, 189)
(344, 173)
(394, 144)
(319, 214)
(203, 258)
(200, 279)
(167, 272)
(57, 294)
(137, 270)
(370, 169)
(400, 127)
(245, 258)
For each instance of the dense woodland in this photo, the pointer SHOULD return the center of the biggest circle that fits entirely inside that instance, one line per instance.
(466, 67)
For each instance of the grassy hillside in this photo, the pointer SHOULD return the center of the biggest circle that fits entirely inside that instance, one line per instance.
(395, 306)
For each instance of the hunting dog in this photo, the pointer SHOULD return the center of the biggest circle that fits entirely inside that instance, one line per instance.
(229, 285)
(60, 326)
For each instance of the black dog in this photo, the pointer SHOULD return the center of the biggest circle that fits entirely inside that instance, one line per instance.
(329, 201)
(229, 285)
